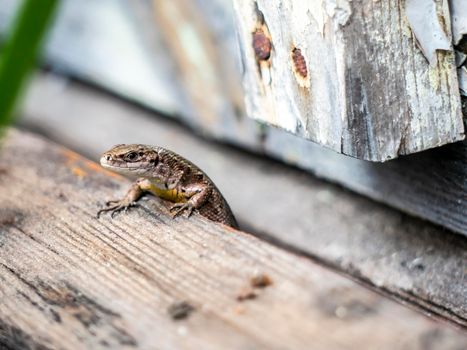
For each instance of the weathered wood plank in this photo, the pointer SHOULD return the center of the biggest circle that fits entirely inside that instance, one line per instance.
(72, 281)
(367, 90)
(388, 250)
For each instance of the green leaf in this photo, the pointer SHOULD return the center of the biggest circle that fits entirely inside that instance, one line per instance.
(19, 52)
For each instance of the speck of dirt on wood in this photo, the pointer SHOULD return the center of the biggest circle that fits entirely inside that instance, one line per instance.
(261, 281)
(9, 217)
(249, 292)
(180, 310)
(62, 196)
(246, 293)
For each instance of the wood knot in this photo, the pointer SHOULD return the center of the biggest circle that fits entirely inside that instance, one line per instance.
(261, 45)
(299, 62)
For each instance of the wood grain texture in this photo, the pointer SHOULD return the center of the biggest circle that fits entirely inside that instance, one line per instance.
(388, 250)
(71, 281)
(369, 92)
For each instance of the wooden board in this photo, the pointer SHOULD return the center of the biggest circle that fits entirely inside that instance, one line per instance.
(404, 257)
(358, 83)
(71, 281)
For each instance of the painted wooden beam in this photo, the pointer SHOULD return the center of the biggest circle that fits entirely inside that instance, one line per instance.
(360, 84)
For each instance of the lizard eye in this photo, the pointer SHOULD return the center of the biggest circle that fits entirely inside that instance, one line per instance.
(131, 156)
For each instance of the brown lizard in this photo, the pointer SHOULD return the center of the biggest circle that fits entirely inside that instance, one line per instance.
(169, 176)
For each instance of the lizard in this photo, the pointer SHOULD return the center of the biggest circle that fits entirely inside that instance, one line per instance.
(169, 176)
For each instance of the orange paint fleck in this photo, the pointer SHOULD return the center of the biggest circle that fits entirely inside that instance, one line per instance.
(78, 172)
(75, 161)
(98, 169)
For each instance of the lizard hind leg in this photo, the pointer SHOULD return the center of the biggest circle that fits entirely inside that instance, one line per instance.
(181, 207)
(197, 195)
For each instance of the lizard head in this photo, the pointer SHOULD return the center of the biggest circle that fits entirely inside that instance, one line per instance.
(132, 160)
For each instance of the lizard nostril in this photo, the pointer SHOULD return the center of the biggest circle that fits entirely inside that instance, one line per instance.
(108, 157)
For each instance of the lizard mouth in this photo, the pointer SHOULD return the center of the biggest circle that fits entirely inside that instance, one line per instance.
(122, 167)
(107, 162)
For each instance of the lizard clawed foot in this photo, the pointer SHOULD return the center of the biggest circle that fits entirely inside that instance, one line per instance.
(180, 207)
(119, 205)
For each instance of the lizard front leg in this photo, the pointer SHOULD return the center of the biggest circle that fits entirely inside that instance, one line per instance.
(134, 193)
(197, 195)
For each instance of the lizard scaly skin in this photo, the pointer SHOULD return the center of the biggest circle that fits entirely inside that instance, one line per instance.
(169, 176)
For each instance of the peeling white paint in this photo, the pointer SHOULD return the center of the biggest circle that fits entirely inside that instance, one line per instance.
(423, 19)
(458, 19)
(339, 10)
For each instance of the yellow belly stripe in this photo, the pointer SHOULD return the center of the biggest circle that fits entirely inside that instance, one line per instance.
(171, 195)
